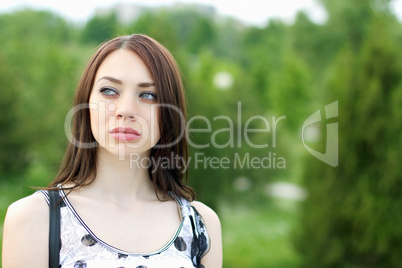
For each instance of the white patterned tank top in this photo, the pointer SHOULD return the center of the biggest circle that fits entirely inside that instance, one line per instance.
(81, 248)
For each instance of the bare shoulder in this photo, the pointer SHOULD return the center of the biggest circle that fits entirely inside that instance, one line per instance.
(29, 210)
(214, 256)
(206, 212)
(26, 228)
(31, 204)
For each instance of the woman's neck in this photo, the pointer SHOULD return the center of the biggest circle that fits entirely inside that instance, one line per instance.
(119, 179)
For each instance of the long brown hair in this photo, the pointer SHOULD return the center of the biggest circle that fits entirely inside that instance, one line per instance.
(79, 163)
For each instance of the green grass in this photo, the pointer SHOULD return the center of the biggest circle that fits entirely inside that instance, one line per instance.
(259, 236)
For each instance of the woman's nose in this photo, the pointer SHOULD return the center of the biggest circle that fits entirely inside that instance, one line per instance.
(126, 107)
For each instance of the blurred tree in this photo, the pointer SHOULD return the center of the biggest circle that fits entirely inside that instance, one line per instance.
(193, 29)
(206, 101)
(33, 25)
(290, 91)
(13, 159)
(350, 218)
(227, 40)
(309, 42)
(260, 43)
(37, 76)
(151, 23)
(202, 36)
(348, 20)
(100, 28)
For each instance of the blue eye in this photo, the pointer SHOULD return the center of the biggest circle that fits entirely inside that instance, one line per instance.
(108, 91)
(149, 96)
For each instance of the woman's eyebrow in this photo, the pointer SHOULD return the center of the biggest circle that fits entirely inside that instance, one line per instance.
(119, 82)
(111, 79)
(146, 84)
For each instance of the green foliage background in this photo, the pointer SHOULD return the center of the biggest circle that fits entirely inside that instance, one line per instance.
(351, 215)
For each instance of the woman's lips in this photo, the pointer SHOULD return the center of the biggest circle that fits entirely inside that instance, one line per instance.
(125, 134)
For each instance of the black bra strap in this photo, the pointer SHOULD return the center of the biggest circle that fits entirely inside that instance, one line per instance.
(54, 230)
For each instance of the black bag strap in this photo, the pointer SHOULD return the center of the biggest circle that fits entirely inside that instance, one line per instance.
(54, 230)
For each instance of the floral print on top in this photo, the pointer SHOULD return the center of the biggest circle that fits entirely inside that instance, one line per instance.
(81, 248)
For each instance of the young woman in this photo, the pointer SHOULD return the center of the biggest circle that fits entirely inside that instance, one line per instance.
(125, 202)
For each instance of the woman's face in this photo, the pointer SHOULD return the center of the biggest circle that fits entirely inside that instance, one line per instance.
(123, 106)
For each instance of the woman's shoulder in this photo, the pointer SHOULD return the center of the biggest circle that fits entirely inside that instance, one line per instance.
(28, 213)
(207, 213)
(210, 218)
(212, 223)
(33, 205)
(26, 229)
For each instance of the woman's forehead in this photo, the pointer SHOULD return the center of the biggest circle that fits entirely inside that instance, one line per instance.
(124, 66)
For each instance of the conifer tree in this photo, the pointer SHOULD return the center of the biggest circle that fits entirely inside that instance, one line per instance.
(351, 218)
